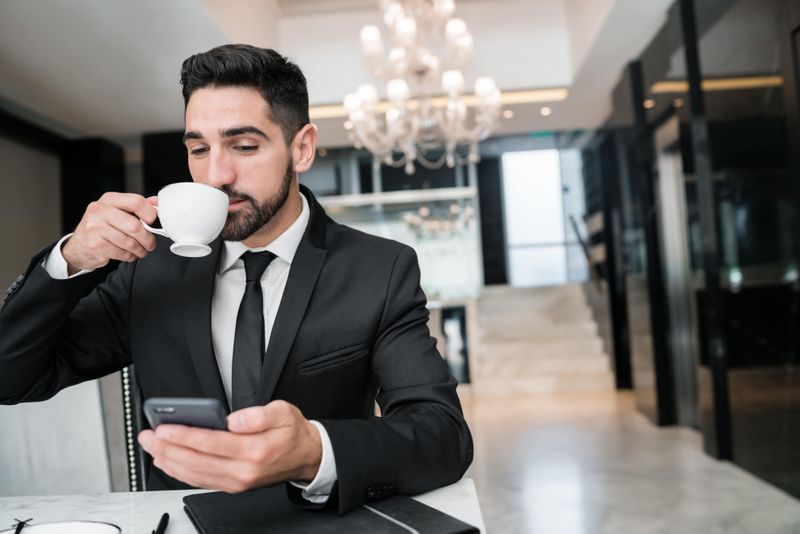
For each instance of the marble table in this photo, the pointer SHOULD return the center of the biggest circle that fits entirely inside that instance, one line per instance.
(139, 512)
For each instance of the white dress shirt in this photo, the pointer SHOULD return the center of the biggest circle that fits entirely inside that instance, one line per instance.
(229, 288)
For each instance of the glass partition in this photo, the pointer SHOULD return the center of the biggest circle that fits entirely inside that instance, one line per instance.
(439, 224)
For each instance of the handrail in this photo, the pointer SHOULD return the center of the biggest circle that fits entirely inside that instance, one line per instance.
(588, 253)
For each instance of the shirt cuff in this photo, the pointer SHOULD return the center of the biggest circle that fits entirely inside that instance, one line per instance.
(319, 490)
(56, 265)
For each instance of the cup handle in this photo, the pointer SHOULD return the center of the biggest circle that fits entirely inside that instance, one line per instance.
(157, 231)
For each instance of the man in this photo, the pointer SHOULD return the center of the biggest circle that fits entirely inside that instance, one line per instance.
(344, 318)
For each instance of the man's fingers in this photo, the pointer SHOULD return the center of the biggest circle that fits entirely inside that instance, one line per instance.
(131, 203)
(261, 418)
(216, 442)
(132, 227)
(124, 242)
(100, 247)
(199, 469)
(250, 449)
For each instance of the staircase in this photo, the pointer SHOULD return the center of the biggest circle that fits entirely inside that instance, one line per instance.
(538, 340)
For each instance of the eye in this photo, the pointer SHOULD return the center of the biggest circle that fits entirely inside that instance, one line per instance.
(198, 151)
(246, 148)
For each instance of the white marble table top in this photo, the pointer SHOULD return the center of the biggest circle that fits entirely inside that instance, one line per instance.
(137, 513)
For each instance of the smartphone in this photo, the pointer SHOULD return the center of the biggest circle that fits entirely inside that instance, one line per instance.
(200, 412)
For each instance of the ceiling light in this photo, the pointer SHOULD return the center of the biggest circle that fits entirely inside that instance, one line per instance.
(649, 103)
(323, 152)
(546, 111)
(508, 114)
(677, 103)
(348, 125)
(719, 84)
(427, 47)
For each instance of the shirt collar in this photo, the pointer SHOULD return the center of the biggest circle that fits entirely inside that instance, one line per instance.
(284, 246)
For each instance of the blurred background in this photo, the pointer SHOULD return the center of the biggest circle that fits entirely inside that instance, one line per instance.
(601, 193)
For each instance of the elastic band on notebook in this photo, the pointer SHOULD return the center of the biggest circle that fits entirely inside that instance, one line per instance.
(392, 519)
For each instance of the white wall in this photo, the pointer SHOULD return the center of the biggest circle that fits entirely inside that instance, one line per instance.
(57, 446)
(585, 18)
(30, 209)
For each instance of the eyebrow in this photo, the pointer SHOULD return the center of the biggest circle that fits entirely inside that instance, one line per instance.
(230, 132)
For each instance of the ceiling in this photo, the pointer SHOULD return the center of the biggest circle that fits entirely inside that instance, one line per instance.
(88, 68)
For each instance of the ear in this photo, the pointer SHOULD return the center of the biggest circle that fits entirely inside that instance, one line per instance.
(304, 148)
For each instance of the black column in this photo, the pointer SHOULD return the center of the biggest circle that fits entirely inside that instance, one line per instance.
(89, 168)
(493, 240)
(711, 310)
(614, 266)
(659, 318)
(164, 161)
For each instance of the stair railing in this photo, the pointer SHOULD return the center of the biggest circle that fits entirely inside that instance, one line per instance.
(587, 251)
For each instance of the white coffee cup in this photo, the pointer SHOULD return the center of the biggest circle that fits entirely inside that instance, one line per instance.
(192, 215)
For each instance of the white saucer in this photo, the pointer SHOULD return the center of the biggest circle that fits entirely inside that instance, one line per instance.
(190, 250)
(69, 527)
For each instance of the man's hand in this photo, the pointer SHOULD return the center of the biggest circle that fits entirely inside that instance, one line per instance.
(111, 230)
(264, 445)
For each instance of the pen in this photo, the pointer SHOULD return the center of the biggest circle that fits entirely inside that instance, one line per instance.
(162, 524)
(21, 525)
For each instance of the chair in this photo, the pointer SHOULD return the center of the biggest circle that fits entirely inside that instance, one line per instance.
(138, 462)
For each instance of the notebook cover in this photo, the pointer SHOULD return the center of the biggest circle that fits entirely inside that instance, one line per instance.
(269, 510)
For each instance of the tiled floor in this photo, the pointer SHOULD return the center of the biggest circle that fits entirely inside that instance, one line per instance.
(583, 463)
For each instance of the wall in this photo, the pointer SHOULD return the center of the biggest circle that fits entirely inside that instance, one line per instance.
(42, 450)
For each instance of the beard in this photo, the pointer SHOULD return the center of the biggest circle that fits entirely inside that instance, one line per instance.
(246, 221)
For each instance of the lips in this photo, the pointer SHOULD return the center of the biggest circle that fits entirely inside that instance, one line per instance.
(234, 203)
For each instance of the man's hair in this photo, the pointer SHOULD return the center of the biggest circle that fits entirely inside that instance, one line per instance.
(280, 82)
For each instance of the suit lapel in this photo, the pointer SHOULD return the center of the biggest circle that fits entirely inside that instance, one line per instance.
(197, 291)
(303, 274)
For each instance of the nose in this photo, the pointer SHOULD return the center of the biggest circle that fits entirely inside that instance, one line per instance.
(220, 170)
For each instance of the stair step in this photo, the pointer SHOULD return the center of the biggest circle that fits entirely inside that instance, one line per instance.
(538, 340)
(545, 384)
(496, 337)
(541, 347)
(488, 367)
(544, 326)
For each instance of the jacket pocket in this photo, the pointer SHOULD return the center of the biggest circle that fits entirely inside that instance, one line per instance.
(332, 359)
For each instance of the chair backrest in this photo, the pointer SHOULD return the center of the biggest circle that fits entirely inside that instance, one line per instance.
(138, 462)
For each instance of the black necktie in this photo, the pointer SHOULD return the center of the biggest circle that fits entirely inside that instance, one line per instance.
(248, 341)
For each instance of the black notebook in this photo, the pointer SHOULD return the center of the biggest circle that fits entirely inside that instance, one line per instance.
(269, 510)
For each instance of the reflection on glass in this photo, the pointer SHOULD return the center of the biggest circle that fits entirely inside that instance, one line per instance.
(746, 59)
(444, 234)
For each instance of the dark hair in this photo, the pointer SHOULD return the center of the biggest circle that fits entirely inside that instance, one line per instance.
(280, 82)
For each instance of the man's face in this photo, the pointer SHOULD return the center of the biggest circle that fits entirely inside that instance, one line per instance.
(234, 146)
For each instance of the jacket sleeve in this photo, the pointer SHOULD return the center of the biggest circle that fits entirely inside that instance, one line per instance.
(56, 333)
(421, 441)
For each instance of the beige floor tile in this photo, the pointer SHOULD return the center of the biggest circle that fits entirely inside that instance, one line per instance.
(584, 463)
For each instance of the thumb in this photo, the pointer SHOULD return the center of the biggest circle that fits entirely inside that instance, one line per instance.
(258, 418)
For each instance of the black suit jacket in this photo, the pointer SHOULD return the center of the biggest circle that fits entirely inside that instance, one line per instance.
(351, 327)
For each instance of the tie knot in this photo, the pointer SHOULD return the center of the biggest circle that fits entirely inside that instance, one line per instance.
(255, 263)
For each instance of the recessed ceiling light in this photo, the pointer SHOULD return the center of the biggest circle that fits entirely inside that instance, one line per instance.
(546, 111)
(348, 125)
(508, 114)
(649, 103)
(678, 102)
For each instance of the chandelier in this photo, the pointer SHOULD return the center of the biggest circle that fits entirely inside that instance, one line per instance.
(426, 118)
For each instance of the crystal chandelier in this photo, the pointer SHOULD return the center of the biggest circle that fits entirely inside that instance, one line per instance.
(426, 117)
